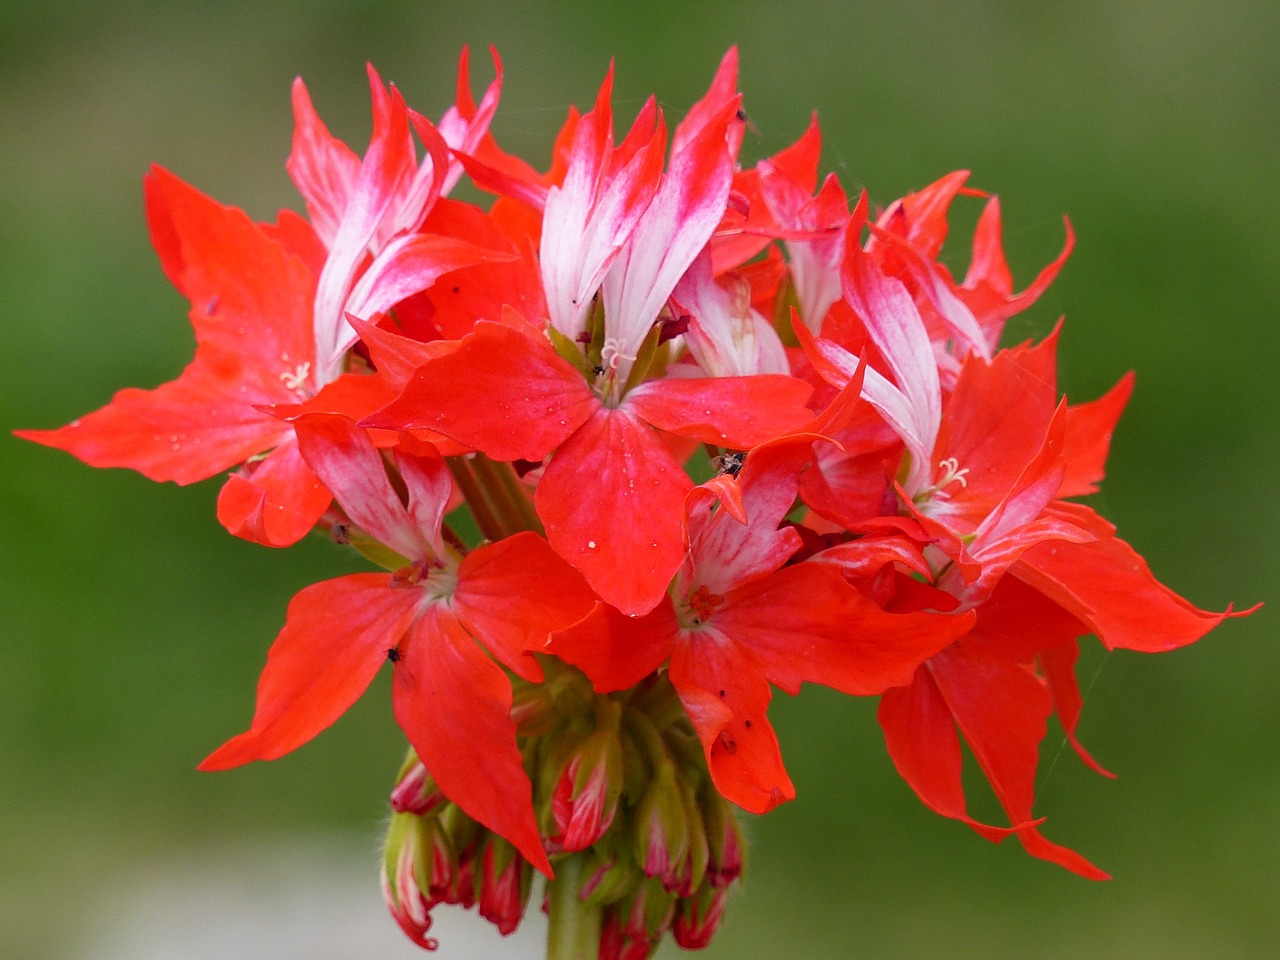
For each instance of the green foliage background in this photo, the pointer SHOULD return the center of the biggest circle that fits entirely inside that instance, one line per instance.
(134, 628)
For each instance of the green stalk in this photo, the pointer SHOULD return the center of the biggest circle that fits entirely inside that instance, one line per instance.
(574, 929)
(474, 493)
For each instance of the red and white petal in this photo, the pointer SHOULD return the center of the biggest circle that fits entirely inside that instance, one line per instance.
(345, 459)
(322, 167)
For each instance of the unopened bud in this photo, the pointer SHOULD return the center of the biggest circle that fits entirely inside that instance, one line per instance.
(724, 840)
(649, 912)
(505, 882)
(409, 904)
(662, 828)
(686, 876)
(415, 791)
(586, 795)
(697, 917)
(609, 876)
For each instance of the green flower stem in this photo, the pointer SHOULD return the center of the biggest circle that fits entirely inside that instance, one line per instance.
(473, 492)
(574, 930)
(506, 494)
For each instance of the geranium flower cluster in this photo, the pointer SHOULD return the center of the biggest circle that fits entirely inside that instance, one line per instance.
(652, 434)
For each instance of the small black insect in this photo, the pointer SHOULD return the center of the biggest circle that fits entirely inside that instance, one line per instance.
(729, 463)
(393, 654)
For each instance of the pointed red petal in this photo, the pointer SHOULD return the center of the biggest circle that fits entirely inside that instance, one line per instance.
(454, 704)
(250, 295)
(186, 430)
(1110, 588)
(335, 637)
(250, 300)
(1001, 708)
(1089, 429)
(611, 500)
(921, 737)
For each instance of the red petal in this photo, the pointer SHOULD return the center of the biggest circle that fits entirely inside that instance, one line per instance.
(275, 501)
(250, 296)
(612, 503)
(1001, 709)
(726, 698)
(1109, 588)
(502, 391)
(997, 419)
(251, 312)
(335, 637)
(806, 624)
(1089, 429)
(735, 412)
(513, 594)
(614, 650)
(454, 704)
(921, 737)
(184, 431)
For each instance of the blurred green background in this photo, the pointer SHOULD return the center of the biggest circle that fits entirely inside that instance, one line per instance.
(134, 628)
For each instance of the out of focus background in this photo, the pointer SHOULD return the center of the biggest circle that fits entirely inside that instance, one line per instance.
(134, 627)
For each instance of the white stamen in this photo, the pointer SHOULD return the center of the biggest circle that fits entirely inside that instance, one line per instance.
(297, 378)
(952, 473)
(611, 353)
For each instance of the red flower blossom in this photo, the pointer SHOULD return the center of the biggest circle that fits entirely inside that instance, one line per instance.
(435, 619)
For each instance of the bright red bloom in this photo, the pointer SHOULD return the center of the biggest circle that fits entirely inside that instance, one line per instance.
(432, 619)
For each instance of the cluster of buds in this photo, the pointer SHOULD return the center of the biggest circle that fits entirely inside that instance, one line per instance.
(621, 786)
(652, 434)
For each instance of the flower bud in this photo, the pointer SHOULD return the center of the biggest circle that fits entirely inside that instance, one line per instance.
(609, 876)
(687, 875)
(662, 828)
(415, 791)
(650, 912)
(586, 795)
(505, 881)
(410, 906)
(724, 840)
(698, 916)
